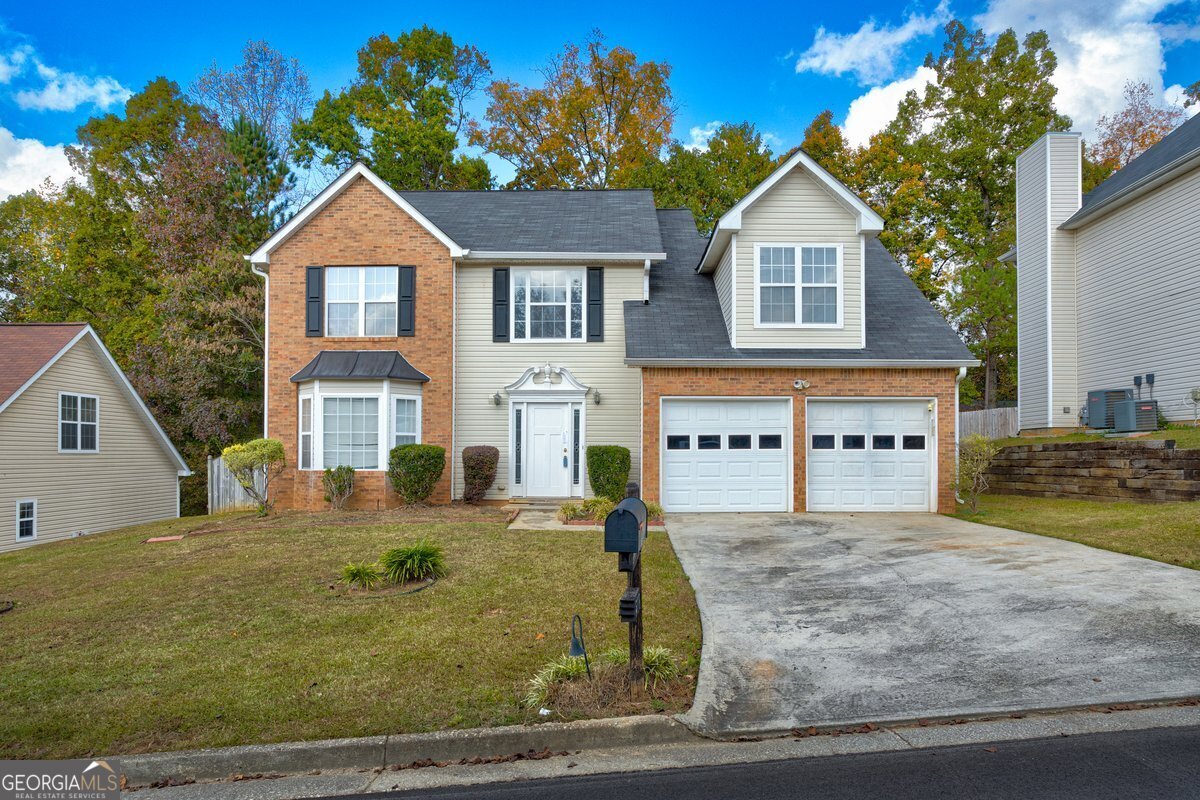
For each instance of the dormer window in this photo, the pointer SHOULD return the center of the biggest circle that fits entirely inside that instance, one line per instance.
(798, 285)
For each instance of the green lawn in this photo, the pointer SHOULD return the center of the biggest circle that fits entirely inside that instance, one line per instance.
(1187, 437)
(1168, 532)
(240, 635)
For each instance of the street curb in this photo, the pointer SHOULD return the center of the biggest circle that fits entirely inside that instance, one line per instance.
(381, 751)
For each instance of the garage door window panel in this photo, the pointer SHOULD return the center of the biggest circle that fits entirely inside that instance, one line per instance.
(883, 442)
(740, 441)
(854, 441)
(911, 442)
(770, 441)
(708, 442)
(824, 442)
(679, 443)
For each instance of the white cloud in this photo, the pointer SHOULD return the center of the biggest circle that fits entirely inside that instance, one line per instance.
(13, 64)
(1100, 46)
(871, 112)
(1175, 95)
(67, 91)
(871, 52)
(26, 163)
(700, 134)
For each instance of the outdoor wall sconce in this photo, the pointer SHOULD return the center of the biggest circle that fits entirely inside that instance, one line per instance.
(577, 646)
(495, 399)
(596, 396)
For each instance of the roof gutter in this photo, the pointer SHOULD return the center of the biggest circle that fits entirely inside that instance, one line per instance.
(828, 363)
(1133, 191)
(526, 255)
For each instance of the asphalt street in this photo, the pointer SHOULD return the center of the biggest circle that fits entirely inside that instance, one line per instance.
(1160, 764)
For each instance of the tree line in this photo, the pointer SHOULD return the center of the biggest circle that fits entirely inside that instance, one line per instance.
(147, 243)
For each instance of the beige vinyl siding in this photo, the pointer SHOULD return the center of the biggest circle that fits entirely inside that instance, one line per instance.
(130, 481)
(483, 368)
(1033, 375)
(798, 210)
(723, 280)
(1065, 165)
(1139, 267)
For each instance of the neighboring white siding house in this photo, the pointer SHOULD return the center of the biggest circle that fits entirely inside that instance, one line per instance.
(79, 452)
(1104, 281)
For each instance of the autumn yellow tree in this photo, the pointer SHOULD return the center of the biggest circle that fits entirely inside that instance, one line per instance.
(1125, 135)
(599, 117)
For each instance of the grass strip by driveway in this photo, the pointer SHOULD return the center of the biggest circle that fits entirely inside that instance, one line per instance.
(1167, 532)
(236, 637)
(1187, 437)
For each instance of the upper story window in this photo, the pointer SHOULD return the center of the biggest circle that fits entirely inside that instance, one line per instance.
(548, 305)
(361, 301)
(798, 285)
(78, 423)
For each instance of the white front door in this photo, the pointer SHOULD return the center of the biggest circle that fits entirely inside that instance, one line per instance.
(549, 450)
(871, 455)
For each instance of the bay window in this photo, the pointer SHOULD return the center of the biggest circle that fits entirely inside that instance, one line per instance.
(547, 305)
(356, 426)
(798, 285)
(361, 301)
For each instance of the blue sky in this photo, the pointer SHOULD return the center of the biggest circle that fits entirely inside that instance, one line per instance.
(777, 67)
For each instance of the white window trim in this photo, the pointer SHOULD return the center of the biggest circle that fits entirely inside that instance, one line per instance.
(386, 392)
(17, 530)
(310, 433)
(512, 306)
(799, 285)
(362, 300)
(78, 423)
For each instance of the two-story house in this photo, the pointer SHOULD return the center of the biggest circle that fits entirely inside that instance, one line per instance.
(784, 363)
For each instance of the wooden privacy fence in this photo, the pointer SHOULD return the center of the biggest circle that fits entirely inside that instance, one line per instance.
(224, 492)
(994, 423)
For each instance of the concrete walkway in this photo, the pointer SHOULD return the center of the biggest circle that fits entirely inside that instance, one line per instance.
(840, 619)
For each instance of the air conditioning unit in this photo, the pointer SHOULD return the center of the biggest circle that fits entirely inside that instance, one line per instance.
(1100, 405)
(1135, 415)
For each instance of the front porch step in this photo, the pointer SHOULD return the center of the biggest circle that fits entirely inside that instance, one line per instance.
(534, 504)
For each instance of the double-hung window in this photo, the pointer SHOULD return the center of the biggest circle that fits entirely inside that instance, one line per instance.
(78, 423)
(26, 520)
(356, 429)
(406, 421)
(548, 305)
(798, 285)
(306, 433)
(361, 301)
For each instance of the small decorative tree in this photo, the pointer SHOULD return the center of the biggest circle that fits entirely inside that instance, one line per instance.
(608, 470)
(975, 455)
(479, 471)
(414, 470)
(339, 485)
(260, 457)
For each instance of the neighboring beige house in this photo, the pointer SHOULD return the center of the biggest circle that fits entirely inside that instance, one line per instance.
(1106, 281)
(79, 451)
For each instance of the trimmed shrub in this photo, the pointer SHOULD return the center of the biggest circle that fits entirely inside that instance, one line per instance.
(608, 470)
(975, 454)
(361, 575)
(339, 485)
(249, 461)
(479, 471)
(414, 470)
(413, 562)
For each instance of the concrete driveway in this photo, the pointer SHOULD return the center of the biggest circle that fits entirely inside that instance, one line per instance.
(840, 618)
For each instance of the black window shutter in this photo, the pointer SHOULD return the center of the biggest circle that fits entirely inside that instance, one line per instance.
(314, 305)
(405, 313)
(500, 305)
(595, 304)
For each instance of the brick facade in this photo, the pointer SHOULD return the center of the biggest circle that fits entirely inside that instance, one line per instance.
(659, 382)
(360, 227)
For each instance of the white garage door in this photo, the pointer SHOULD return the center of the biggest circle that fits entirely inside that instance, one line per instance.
(726, 455)
(869, 455)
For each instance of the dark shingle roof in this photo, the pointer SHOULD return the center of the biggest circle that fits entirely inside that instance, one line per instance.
(608, 221)
(360, 365)
(683, 319)
(1180, 143)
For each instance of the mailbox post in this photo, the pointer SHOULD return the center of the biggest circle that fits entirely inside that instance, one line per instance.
(624, 534)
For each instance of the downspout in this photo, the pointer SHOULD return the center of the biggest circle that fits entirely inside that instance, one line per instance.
(646, 284)
(266, 334)
(962, 373)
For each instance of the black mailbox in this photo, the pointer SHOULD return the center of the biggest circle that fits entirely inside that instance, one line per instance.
(625, 527)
